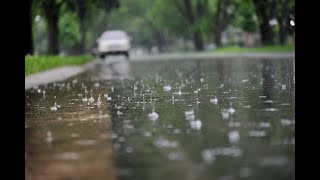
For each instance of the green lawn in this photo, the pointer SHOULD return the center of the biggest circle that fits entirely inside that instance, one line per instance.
(35, 64)
(237, 49)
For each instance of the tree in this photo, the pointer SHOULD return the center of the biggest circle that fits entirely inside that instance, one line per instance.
(283, 9)
(222, 17)
(245, 16)
(28, 22)
(51, 11)
(85, 10)
(264, 11)
(194, 12)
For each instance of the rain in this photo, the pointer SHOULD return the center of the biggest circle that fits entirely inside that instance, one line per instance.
(163, 115)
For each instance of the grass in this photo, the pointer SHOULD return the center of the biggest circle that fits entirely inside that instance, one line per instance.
(34, 64)
(237, 49)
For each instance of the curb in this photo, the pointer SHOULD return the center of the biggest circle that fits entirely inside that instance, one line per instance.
(56, 74)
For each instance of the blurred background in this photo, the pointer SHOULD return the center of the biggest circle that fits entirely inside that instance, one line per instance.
(69, 27)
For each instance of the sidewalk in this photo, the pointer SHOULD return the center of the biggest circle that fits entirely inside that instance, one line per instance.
(56, 74)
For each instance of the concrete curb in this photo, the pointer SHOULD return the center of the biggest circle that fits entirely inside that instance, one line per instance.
(56, 74)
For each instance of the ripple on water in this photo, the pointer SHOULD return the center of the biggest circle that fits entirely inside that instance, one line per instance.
(69, 156)
(209, 155)
(270, 109)
(273, 161)
(196, 124)
(234, 136)
(264, 125)
(146, 134)
(245, 172)
(164, 143)
(234, 124)
(173, 156)
(256, 133)
(85, 142)
(287, 122)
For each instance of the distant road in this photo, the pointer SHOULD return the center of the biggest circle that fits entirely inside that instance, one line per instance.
(204, 56)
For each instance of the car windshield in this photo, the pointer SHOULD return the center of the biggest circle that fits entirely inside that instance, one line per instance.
(113, 35)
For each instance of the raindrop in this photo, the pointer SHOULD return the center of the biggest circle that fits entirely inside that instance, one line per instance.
(108, 97)
(234, 136)
(264, 125)
(208, 156)
(268, 101)
(231, 110)
(49, 137)
(214, 100)
(189, 115)
(119, 112)
(225, 114)
(163, 143)
(283, 87)
(176, 131)
(147, 134)
(85, 99)
(99, 101)
(74, 135)
(85, 142)
(197, 124)
(153, 116)
(70, 156)
(114, 135)
(129, 149)
(287, 122)
(54, 108)
(91, 99)
(234, 124)
(167, 88)
(257, 133)
(271, 109)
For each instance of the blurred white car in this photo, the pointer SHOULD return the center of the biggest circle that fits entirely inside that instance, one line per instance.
(113, 42)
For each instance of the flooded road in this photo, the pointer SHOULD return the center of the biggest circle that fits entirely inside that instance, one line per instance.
(185, 119)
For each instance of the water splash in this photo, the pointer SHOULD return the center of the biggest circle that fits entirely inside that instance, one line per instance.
(214, 100)
(234, 136)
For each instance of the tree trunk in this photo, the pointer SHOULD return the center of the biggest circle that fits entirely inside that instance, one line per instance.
(82, 17)
(28, 22)
(198, 41)
(82, 45)
(52, 15)
(217, 38)
(282, 32)
(266, 33)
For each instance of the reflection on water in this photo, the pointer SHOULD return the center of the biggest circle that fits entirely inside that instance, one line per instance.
(249, 132)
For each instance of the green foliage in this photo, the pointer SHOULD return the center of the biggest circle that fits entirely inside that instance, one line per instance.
(151, 22)
(69, 30)
(35, 64)
(246, 18)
